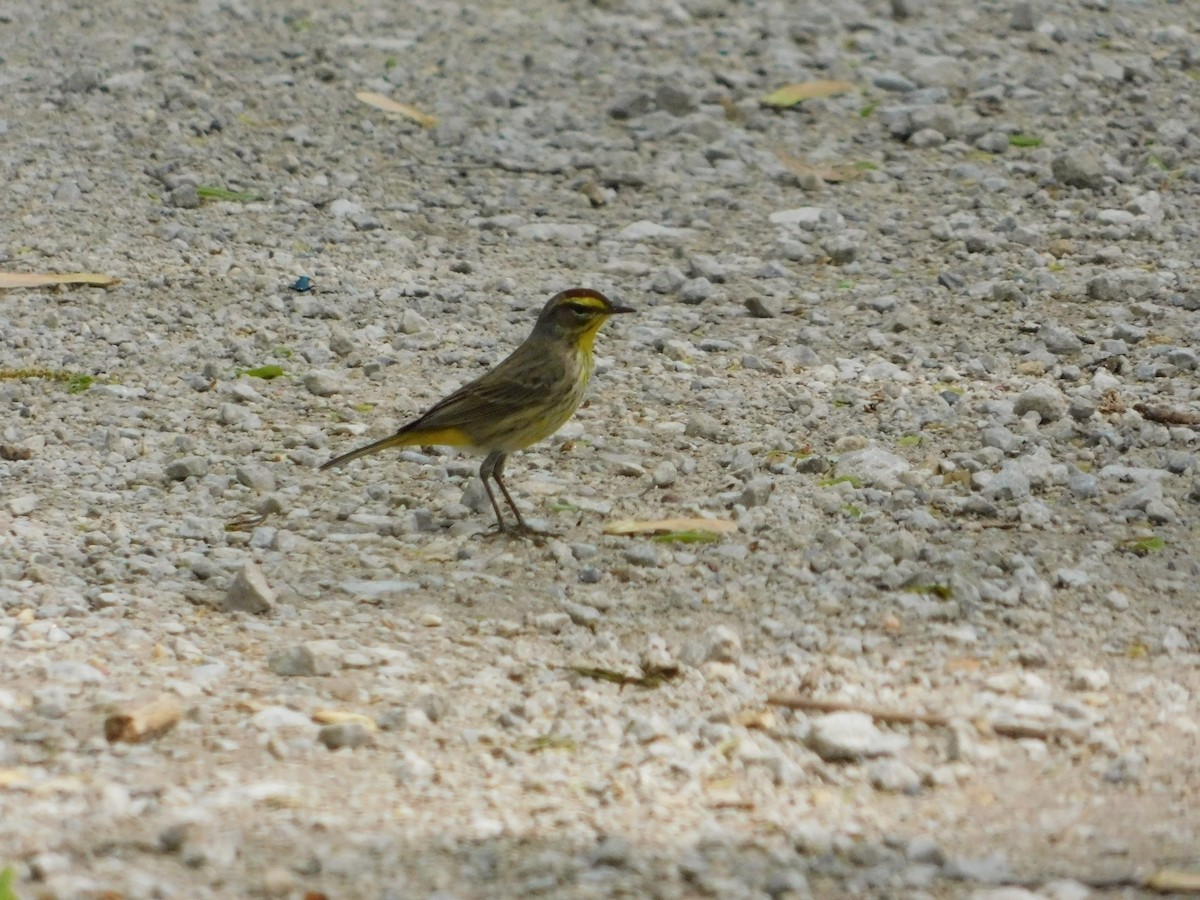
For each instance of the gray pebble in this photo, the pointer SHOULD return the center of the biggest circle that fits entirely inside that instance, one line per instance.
(184, 197)
(249, 592)
(551, 623)
(719, 644)
(664, 474)
(893, 776)
(1044, 399)
(23, 505)
(611, 850)
(345, 734)
(630, 105)
(674, 100)
(926, 138)
(696, 290)
(894, 82)
(703, 266)
(705, 426)
(763, 307)
(1081, 408)
(874, 465)
(1127, 768)
(1022, 17)
(1059, 340)
(841, 249)
(322, 384)
(1078, 167)
(257, 478)
(590, 575)
(851, 735)
(926, 851)
(188, 467)
(641, 555)
(990, 869)
(582, 614)
(999, 437)
(756, 493)
(412, 322)
(310, 658)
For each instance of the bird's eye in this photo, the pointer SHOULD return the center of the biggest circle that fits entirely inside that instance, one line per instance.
(580, 311)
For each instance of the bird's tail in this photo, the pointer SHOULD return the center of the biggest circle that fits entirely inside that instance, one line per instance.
(395, 440)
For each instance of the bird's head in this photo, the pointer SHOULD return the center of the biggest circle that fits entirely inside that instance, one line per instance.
(576, 315)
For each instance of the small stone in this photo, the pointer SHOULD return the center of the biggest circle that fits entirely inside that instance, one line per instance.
(1175, 641)
(23, 505)
(926, 139)
(612, 850)
(1078, 167)
(664, 474)
(874, 465)
(345, 734)
(582, 614)
(1059, 340)
(1081, 408)
(851, 735)
(704, 266)
(756, 493)
(893, 776)
(893, 82)
(81, 81)
(705, 426)
(763, 307)
(257, 478)
(277, 881)
(249, 592)
(999, 437)
(1083, 679)
(307, 659)
(184, 197)
(552, 623)
(641, 555)
(1044, 399)
(991, 869)
(720, 644)
(590, 575)
(1127, 768)
(695, 291)
(322, 384)
(926, 851)
(1022, 17)
(412, 322)
(188, 467)
(841, 249)
(631, 105)
(674, 100)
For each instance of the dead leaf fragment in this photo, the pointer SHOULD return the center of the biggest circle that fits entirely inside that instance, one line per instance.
(387, 104)
(658, 526)
(1174, 881)
(832, 174)
(343, 717)
(142, 723)
(41, 279)
(791, 94)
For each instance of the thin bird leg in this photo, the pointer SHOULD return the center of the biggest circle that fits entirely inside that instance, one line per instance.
(498, 476)
(487, 470)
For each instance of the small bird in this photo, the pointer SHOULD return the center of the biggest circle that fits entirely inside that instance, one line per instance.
(525, 399)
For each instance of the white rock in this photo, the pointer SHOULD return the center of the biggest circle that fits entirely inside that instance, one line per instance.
(249, 592)
(851, 735)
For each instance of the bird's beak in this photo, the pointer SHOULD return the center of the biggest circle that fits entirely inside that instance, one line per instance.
(621, 309)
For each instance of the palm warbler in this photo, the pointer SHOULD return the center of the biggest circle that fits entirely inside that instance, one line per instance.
(526, 398)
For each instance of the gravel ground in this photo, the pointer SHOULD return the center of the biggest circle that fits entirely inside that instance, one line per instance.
(931, 343)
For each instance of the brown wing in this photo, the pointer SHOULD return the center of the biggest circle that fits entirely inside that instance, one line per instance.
(499, 394)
